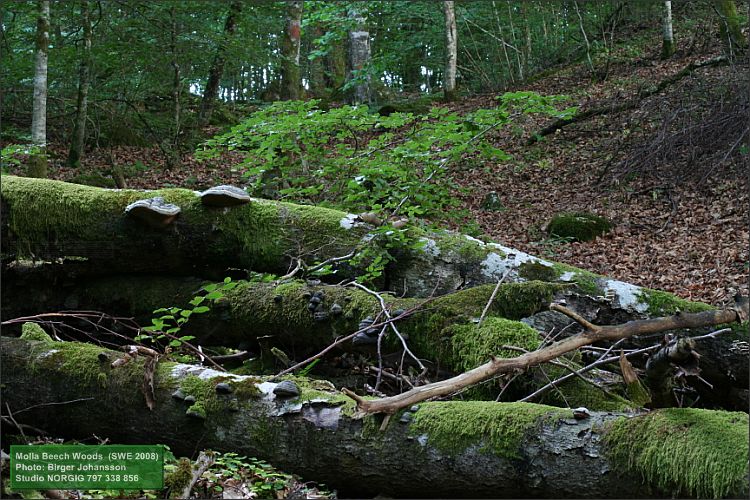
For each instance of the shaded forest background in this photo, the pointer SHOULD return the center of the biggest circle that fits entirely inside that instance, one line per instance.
(162, 77)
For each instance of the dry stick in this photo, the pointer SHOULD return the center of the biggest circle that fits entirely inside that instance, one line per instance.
(592, 334)
(603, 360)
(202, 464)
(341, 340)
(492, 298)
(384, 308)
(10, 416)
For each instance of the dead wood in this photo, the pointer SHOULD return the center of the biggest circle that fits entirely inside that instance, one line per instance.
(591, 334)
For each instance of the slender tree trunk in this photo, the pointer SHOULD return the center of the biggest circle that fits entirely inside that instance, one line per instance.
(217, 67)
(451, 51)
(175, 77)
(317, 71)
(38, 162)
(729, 27)
(335, 63)
(668, 46)
(291, 82)
(79, 131)
(359, 55)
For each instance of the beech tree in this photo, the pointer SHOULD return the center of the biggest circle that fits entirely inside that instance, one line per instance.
(290, 48)
(217, 67)
(359, 55)
(38, 163)
(79, 130)
(451, 51)
(668, 45)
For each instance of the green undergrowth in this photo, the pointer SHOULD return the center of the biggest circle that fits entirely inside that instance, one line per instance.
(686, 451)
(497, 428)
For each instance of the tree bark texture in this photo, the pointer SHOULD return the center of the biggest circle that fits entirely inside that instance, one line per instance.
(668, 45)
(38, 162)
(359, 55)
(451, 51)
(77, 142)
(291, 80)
(511, 450)
(729, 27)
(56, 220)
(217, 67)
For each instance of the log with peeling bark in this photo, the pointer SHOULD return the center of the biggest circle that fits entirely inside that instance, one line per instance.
(279, 314)
(468, 449)
(86, 231)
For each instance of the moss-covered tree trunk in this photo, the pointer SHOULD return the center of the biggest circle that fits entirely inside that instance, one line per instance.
(87, 228)
(447, 449)
(78, 138)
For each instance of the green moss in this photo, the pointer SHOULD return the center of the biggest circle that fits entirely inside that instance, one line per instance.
(579, 226)
(178, 479)
(685, 451)
(32, 331)
(94, 179)
(473, 345)
(498, 428)
(664, 303)
(204, 392)
(246, 388)
(638, 394)
(585, 281)
(533, 270)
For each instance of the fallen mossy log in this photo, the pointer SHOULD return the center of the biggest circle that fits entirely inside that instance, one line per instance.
(591, 334)
(448, 449)
(441, 331)
(85, 228)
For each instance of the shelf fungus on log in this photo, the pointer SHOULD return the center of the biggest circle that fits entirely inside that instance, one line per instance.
(224, 196)
(154, 212)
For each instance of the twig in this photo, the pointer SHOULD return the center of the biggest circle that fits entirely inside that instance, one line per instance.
(492, 298)
(384, 308)
(10, 416)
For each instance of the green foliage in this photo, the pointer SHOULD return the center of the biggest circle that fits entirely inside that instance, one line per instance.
(331, 157)
(12, 154)
(170, 320)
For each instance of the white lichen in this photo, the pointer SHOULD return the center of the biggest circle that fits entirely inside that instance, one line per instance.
(626, 296)
(430, 247)
(349, 221)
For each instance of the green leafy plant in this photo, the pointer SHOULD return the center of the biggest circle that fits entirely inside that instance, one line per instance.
(12, 153)
(170, 320)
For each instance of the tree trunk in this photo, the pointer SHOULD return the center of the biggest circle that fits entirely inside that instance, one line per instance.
(217, 67)
(335, 63)
(359, 55)
(469, 449)
(668, 45)
(729, 27)
(291, 81)
(38, 161)
(451, 51)
(317, 69)
(77, 143)
(176, 82)
(53, 219)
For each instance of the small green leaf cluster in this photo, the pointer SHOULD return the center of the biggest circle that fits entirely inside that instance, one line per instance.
(169, 321)
(11, 154)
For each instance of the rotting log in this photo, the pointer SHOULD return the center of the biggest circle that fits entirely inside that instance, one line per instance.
(86, 229)
(440, 330)
(591, 334)
(466, 449)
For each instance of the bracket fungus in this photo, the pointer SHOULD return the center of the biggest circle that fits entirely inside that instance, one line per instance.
(154, 212)
(224, 196)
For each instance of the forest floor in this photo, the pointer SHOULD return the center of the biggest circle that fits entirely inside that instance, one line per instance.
(688, 237)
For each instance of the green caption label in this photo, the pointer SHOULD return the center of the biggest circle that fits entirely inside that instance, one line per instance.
(79, 467)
